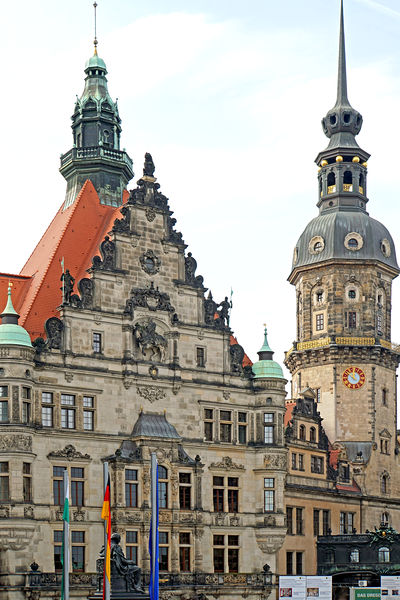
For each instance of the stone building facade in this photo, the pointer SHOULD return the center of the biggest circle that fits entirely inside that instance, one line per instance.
(133, 356)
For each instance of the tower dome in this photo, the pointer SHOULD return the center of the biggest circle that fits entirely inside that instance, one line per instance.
(343, 231)
(265, 367)
(12, 334)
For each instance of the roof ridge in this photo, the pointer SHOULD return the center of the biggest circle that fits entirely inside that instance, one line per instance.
(51, 256)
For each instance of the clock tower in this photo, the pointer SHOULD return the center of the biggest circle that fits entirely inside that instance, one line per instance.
(343, 266)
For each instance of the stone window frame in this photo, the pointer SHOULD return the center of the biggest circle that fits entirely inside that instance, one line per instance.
(204, 358)
(165, 545)
(5, 475)
(79, 544)
(244, 425)
(317, 465)
(27, 477)
(356, 236)
(209, 419)
(316, 240)
(134, 483)
(66, 464)
(101, 334)
(186, 486)
(225, 487)
(185, 546)
(226, 545)
(271, 489)
(131, 544)
(5, 402)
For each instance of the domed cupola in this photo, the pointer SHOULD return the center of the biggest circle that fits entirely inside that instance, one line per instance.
(265, 367)
(343, 229)
(96, 153)
(12, 334)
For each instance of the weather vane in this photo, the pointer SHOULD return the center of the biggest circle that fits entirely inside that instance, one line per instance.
(95, 27)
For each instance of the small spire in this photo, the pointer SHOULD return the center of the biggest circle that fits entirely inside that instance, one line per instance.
(95, 28)
(9, 314)
(342, 75)
(265, 353)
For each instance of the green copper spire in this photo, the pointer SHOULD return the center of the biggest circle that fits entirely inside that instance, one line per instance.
(10, 332)
(265, 367)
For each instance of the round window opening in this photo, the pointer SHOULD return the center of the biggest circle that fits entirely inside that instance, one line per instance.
(318, 246)
(352, 243)
(385, 247)
(352, 294)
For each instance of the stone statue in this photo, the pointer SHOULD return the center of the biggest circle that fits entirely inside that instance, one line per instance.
(148, 339)
(210, 308)
(223, 313)
(125, 575)
(149, 167)
(68, 286)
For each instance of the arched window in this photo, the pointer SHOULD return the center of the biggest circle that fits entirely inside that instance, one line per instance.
(106, 137)
(313, 434)
(163, 486)
(384, 483)
(302, 432)
(320, 187)
(330, 557)
(354, 555)
(352, 243)
(331, 183)
(347, 181)
(383, 555)
(352, 294)
(385, 519)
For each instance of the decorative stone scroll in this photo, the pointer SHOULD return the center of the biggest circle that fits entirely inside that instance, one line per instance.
(70, 453)
(227, 464)
(151, 393)
(107, 262)
(150, 298)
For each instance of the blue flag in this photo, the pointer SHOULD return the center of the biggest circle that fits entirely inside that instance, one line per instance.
(153, 542)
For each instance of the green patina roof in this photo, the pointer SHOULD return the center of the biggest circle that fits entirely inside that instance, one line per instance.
(266, 367)
(95, 62)
(10, 332)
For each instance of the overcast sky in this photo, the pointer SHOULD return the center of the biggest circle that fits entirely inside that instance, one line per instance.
(228, 96)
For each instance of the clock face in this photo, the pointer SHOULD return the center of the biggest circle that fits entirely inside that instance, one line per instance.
(353, 378)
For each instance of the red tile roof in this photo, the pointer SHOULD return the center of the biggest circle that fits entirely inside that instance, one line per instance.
(290, 404)
(246, 360)
(352, 487)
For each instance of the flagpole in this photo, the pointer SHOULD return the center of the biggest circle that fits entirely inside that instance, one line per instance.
(106, 583)
(154, 583)
(65, 586)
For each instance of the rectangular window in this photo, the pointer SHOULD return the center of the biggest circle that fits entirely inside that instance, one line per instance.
(27, 482)
(88, 401)
(319, 321)
(3, 411)
(77, 486)
(301, 462)
(78, 551)
(26, 393)
(4, 481)
(317, 464)
(184, 551)
(58, 485)
(289, 520)
(316, 521)
(58, 539)
(352, 319)
(3, 391)
(131, 488)
(163, 487)
(326, 522)
(299, 563)
(68, 418)
(219, 560)
(318, 394)
(218, 494)
(294, 461)
(26, 412)
(233, 554)
(68, 399)
(289, 563)
(200, 357)
(299, 521)
(47, 397)
(269, 494)
(184, 491)
(132, 546)
(225, 425)
(242, 428)
(233, 495)
(163, 551)
(97, 342)
(346, 522)
(47, 416)
(268, 428)
(88, 420)
(208, 424)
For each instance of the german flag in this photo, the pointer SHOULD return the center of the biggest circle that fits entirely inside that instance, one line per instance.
(106, 515)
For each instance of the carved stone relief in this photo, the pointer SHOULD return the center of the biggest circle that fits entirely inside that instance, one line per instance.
(227, 464)
(16, 441)
(150, 262)
(151, 393)
(70, 453)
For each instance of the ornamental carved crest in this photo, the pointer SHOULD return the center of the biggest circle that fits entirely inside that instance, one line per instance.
(151, 393)
(227, 464)
(150, 262)
(150, 298)
(70, 453)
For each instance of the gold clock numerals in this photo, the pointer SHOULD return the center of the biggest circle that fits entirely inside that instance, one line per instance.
(353, 378)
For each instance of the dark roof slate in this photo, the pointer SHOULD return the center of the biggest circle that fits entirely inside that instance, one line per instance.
(154, 425)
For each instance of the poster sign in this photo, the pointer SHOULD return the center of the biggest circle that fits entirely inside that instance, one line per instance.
(320, 587)
(366, 593)
(292, 587)
(390, 587)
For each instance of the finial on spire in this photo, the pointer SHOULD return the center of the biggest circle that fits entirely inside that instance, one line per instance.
(342, 76)
(95, 28)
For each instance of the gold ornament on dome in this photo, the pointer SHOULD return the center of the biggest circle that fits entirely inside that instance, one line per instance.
(365, 164)
(339, 158)
(356, 159)
(324, 163)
